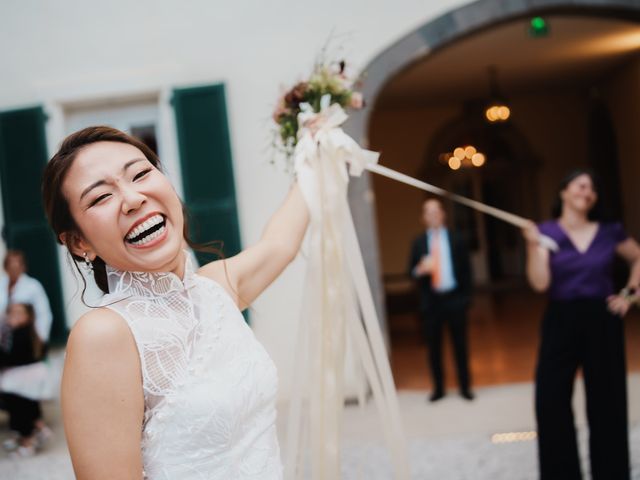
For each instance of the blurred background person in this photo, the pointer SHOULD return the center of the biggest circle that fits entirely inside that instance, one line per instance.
(440, 264)
(20, 349)
(18, 287)
(582, 328)
(33, 380)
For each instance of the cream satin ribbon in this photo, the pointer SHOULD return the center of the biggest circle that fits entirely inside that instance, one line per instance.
(338, 300)
(514, 220)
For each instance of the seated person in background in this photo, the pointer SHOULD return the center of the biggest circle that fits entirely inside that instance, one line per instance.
(20, 345)
(19, 342)
(18, 287)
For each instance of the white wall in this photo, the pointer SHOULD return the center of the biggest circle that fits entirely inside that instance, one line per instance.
(62, 52)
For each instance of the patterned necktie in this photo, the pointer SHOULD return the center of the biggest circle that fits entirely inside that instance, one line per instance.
(436, 258)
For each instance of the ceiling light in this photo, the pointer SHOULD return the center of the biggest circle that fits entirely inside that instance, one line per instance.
(470, 151)
(478, 160)
(463, 157)
(497, 109)
(454, 163)
(459, 153)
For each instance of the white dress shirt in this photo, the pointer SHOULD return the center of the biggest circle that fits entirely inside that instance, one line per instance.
(448, 279)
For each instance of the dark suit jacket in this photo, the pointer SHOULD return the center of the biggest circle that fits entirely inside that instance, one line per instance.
(461, 270)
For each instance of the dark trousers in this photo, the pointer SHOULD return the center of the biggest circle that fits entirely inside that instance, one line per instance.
(452, 310)
(23, 413)
(582, 333)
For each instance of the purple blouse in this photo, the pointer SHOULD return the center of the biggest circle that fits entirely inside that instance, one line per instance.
(587, 274)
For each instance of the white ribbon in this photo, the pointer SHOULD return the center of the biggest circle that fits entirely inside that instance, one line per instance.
(323, 129)
(515, 220)
(337, 300)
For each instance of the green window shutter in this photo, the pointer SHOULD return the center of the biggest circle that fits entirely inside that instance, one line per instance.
(207, 166)
(23, 155)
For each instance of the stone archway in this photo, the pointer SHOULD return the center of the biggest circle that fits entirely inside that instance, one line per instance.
(417, 45)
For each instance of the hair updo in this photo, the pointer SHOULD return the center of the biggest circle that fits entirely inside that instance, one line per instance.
(57, 207)
(55, 203)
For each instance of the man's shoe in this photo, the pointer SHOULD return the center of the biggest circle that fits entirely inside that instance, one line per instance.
(467, 395)
(436, 395)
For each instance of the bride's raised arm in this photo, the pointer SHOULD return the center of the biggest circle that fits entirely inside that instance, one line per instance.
(248, 274)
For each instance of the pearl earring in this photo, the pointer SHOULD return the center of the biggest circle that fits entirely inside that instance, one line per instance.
(87, 262)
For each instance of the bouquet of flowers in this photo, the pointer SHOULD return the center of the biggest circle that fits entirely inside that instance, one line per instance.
(328, 83)
(309, 119)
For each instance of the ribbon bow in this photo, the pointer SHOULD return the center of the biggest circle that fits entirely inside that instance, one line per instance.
(338, 302)
(322, 130)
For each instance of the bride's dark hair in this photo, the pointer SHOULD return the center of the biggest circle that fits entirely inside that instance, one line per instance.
(57, 207)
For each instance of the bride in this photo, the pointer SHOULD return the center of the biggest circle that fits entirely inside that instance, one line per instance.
(164, 380)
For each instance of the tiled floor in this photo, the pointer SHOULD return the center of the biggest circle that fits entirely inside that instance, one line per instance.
(503, 338)
(450, 440)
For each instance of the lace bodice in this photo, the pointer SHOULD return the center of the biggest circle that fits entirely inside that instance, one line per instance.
(209, 386)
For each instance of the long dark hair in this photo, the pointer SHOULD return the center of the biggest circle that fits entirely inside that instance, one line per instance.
(37, 345)
(57, 207)
(596, 212)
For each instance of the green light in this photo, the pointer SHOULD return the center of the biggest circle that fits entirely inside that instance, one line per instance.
(538, 23)
(538, 27)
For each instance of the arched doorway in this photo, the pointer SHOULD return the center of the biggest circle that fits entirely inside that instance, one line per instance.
(404, 76)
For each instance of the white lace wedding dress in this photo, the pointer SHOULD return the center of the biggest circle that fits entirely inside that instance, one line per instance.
(209, 386)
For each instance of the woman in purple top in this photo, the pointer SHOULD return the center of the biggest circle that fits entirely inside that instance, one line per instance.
(582, 328)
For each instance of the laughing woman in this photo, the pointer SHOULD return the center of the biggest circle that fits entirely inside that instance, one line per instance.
(582, 328)
(165, 380)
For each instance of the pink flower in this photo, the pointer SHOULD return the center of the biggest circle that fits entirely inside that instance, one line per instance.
(280, 111)
(296, 95)
(356, 101)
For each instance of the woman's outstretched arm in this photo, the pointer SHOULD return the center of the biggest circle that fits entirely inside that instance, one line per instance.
(538, 272)
(249, 273)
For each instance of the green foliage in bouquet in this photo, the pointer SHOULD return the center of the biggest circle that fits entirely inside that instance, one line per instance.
(325, 79)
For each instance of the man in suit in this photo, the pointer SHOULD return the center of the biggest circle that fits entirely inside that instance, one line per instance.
(440, 264)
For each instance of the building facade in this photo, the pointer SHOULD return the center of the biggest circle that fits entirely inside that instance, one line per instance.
(199, 81)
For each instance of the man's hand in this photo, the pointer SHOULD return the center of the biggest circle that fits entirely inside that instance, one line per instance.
(424, 267)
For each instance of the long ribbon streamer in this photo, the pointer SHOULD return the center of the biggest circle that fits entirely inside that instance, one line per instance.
(508, 217)
(338, 299)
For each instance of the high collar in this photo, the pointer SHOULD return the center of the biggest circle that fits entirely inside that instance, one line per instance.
(149, 284)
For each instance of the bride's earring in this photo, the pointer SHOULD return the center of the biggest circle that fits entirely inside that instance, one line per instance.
(87, 263)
